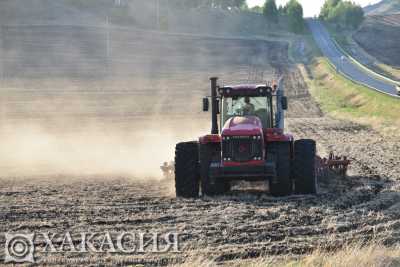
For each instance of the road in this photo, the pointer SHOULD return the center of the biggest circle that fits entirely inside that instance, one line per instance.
(342, 63)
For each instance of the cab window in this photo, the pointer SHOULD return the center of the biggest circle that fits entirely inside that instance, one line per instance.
(259, 106)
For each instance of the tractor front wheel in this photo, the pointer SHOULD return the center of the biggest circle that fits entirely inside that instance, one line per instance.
(187, 180)
(209, 188)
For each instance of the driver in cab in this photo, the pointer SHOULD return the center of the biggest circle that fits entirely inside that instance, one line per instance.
(248, 107)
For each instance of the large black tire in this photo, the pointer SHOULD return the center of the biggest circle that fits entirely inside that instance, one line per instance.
(219, 187)
(187, 182)
(304, 174)
(282, 185)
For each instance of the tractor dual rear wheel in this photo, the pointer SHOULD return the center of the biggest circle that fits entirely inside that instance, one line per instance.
(282, 185)
(304, 167)
(187, 181)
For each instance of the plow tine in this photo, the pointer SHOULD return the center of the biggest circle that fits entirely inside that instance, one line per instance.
(168, 169)
(337, 164)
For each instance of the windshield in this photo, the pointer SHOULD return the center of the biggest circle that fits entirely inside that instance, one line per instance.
(248, 106)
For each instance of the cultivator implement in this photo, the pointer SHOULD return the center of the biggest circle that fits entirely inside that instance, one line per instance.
(336, 164)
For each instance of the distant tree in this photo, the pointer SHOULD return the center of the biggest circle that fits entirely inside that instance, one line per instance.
(344, 14)
(282, 10)
(271, 11)
(356, 16)
(294, 12)
(242, 5)
(347, 15)
(328, 6)
(257, 9)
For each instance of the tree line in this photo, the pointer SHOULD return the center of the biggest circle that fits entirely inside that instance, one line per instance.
(342, 13)
(292, 11)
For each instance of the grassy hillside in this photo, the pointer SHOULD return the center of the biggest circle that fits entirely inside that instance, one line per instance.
(379, 36)
(347, 100)
(384, 7)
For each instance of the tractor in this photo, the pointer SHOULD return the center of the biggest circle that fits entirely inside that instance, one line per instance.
(247, 142)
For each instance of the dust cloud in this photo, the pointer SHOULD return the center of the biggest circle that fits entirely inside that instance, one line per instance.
(85, 95)
(29, 150)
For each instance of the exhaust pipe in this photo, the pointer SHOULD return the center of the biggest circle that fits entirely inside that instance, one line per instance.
(214, 106)
(280, 116)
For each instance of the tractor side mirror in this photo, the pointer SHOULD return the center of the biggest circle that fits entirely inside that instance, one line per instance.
(284, 103)
(206, 104)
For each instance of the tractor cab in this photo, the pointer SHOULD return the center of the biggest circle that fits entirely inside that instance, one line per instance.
(248, 101)
(261, 101)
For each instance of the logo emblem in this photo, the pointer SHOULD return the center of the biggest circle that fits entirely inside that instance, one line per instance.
(242, 148)
(19, 248)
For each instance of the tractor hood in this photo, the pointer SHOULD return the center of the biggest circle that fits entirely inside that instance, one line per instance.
(249, 125)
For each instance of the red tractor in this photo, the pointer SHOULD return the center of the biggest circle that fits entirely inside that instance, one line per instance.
(250, 145)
